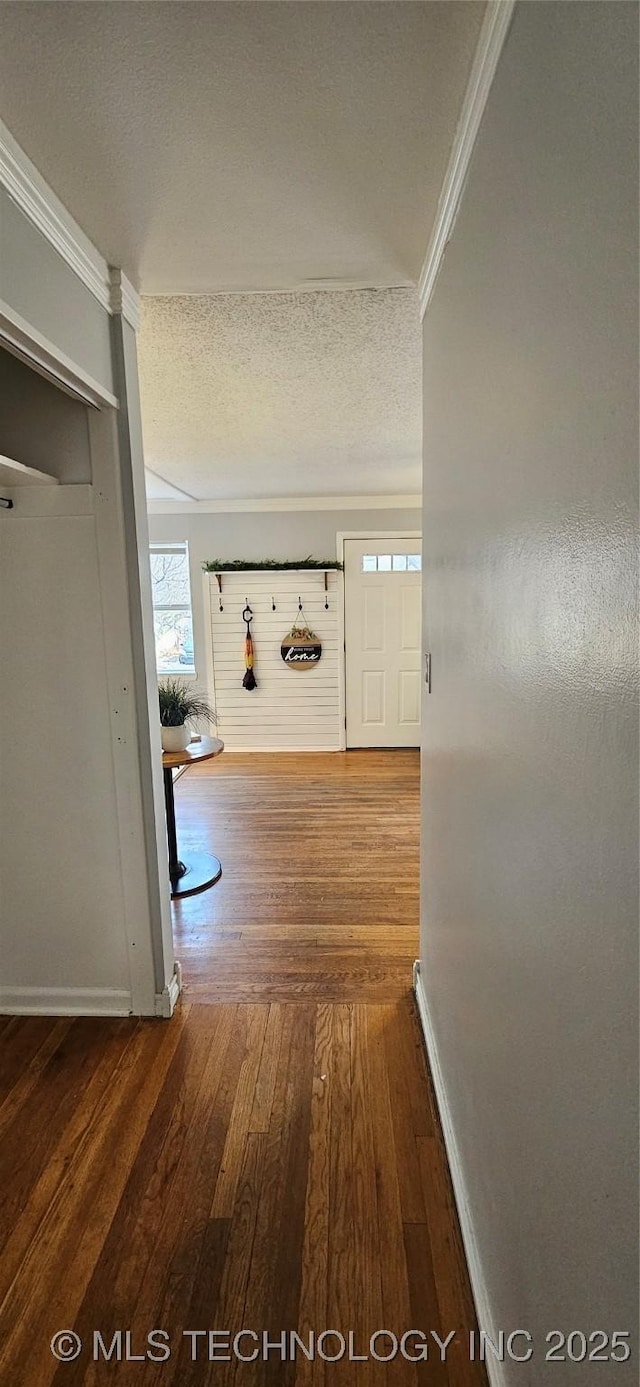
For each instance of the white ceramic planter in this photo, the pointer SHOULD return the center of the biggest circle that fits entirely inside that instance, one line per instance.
(175, 738)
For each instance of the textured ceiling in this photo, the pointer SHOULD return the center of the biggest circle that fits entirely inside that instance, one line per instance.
(208, 146)
(247, 396)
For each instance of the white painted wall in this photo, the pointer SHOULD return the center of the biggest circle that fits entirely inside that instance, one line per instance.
(263, 535)
(529, 945)
(37, 285)
(62, 909)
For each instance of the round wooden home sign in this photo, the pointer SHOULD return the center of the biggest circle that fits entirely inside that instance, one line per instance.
(301, 649)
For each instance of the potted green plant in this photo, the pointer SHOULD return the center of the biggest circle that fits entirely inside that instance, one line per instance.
(178, 706)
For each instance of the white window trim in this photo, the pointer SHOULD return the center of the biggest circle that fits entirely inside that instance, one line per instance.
(178, 546)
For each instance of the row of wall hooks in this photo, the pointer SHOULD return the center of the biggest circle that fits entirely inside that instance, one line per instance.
(248, 609)
(273, 600)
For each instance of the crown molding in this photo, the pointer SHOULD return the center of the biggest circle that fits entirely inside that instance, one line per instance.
(285, 503)
(493, 33)
(44, 210)
(297, 287)
(47, 213)
(123, 298)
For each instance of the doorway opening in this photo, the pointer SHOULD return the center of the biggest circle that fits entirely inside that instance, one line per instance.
(319, 893)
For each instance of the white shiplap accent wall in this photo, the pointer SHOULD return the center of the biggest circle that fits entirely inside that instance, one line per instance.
(289, 710)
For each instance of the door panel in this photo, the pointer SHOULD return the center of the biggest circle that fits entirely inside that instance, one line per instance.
(383, 641)
(373, 635)
(410, 617)
(409, 698)
(373, 697)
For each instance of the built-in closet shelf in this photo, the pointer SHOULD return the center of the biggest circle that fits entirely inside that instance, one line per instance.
(14, 473)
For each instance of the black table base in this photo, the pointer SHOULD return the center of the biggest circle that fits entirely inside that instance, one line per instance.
(202, 871)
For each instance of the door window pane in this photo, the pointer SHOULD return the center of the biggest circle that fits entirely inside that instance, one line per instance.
(391, 563)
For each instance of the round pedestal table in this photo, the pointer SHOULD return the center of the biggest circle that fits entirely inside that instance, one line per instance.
(202, 870)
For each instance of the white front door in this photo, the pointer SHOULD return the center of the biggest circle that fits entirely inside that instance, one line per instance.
(382, 637)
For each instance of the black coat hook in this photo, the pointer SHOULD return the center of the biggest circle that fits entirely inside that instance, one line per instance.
(326, 591)
(273, 605)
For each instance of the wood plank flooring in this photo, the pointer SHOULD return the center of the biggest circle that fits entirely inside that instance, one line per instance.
(261, 1167)
(262, 1162)
(320, 876)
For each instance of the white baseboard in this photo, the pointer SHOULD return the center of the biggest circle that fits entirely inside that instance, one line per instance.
(64, 1001)
(278, 749)
(166, 1000)
(83, 1001)
(495, 1369)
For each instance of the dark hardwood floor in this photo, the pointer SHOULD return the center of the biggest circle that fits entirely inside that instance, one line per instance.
(263, 1162)
(319, 893)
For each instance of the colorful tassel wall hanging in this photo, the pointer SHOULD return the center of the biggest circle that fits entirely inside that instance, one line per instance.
(249, 681)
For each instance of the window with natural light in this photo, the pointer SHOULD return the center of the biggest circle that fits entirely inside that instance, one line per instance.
(172, 615)
(391, 563)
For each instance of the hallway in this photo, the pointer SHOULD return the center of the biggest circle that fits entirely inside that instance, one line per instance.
(253, 1165)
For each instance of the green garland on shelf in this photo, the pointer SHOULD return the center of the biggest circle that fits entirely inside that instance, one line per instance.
(248, 565)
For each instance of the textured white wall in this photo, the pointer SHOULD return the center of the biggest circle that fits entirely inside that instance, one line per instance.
(529, 950)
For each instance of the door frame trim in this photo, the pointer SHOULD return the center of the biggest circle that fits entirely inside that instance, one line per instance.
(341, 536)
